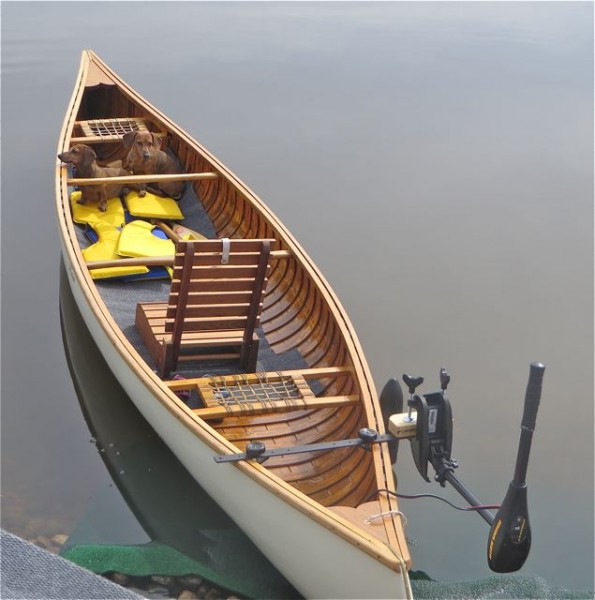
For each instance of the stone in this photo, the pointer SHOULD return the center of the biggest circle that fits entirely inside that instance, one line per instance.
(213, 594)
(190, 582)
(158, 591)
(165, 580)
(188, 595)
(59, 539)
(121, 579)
(43, 541)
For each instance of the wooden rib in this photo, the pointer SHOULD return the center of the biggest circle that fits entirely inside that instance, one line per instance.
(300, 467)
(226, 211)
(276, 276)
(293, 317)
(324, 424)
(283, 299)
(277, 326)
(331, 470)
(340, 423)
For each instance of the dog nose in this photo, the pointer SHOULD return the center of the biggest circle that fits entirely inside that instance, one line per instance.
(146, 154)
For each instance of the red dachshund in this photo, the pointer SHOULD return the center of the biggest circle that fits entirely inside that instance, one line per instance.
(85, 160)
(146, 157)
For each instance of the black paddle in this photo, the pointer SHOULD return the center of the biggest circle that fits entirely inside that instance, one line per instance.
(510, 534)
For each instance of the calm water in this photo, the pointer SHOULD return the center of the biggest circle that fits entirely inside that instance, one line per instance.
(435, 160)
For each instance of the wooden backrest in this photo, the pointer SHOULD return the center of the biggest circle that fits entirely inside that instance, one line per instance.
(215, 289)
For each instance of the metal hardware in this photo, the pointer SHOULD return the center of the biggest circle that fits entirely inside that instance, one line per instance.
(225, 250)
(411, 383)
(256, 450)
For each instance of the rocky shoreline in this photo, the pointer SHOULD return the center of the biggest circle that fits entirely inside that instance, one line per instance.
(188, 587)
(168, 588)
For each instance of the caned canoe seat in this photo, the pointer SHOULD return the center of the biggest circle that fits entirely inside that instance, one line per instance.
(214, 304)
(106, 130)
(262, 392)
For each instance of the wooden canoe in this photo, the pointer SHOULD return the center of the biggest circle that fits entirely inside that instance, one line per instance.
(313, 513)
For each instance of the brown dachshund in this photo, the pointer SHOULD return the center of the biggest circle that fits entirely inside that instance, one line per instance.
(146, 157)
(85, 160)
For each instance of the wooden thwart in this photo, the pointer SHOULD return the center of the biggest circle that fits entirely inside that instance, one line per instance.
(151, 178)
(154, 261)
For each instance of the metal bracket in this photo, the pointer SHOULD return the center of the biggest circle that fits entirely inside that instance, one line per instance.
(225, 251)
(257, 451)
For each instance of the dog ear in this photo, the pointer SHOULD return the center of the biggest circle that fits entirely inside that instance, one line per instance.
(88, 155)
(128, 138)
(156, 141)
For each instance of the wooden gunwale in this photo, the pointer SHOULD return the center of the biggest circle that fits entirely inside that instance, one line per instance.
(79, 272)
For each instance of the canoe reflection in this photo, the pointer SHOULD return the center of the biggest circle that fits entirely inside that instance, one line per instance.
(167, 502)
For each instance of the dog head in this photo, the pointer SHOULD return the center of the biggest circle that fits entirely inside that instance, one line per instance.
(142, 145)
(79, 155)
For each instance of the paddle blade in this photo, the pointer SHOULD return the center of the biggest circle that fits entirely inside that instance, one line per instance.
(509, 541)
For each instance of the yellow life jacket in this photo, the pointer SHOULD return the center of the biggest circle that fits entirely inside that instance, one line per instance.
(105, 249)
(88, 213)
(137, 240)
(151, 206)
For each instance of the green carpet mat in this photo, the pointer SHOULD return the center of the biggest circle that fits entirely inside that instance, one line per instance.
(504, 587)
(155, 558)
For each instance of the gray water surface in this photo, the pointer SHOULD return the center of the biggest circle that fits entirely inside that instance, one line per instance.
(434, 159)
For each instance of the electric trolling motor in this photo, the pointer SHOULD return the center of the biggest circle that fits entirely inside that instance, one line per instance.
(429, 430)
(510, 533)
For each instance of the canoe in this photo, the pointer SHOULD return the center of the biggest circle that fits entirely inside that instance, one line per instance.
(278, 423)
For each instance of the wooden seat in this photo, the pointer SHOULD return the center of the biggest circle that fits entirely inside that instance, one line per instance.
(263, 392)
(106, 130)
(214, 304)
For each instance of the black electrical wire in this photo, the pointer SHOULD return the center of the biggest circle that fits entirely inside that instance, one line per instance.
(416, 496)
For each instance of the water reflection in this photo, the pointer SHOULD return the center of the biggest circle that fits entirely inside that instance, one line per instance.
(166, 501)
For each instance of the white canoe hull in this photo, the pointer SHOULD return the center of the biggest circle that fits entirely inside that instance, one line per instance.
(332, 568)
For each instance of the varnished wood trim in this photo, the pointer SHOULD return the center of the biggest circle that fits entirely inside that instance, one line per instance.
(140, 178)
